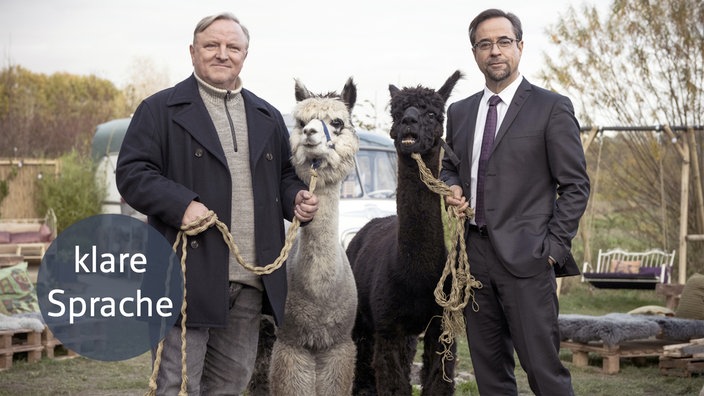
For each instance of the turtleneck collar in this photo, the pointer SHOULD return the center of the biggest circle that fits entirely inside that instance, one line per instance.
(218, 92)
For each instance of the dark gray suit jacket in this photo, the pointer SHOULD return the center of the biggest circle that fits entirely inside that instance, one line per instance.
(537, 185)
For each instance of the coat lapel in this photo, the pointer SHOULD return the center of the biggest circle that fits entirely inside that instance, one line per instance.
(194, 117)
(260, 125)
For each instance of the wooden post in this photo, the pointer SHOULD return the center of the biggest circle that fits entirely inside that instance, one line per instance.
(683, 150)
(684, 213)
(697, 179)
(584, 231)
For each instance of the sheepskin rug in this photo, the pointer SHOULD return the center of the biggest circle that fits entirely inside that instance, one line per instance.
(616, 327)
(31, 321)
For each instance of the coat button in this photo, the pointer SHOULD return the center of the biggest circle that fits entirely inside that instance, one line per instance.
(194, 244)
(269, 157)
(199, 152)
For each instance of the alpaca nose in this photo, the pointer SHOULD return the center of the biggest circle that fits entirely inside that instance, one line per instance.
(410, 116)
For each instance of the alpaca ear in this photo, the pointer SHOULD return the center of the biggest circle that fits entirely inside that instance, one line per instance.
(302, 93)
(349, 94)
(446, 88)
(393, 90)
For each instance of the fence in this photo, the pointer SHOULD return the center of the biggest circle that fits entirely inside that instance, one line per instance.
(18, 185)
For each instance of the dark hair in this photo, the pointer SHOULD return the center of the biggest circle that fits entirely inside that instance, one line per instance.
(494, 13)
(207, 21)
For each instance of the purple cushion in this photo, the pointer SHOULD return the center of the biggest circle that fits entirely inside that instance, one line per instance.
(4, 237)
(26, 237)
(654, 271)
(650, 271)
(45, 233)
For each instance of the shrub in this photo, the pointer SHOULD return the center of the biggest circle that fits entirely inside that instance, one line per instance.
(73, 193)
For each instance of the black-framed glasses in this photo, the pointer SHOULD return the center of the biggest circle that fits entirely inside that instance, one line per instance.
(503, 42)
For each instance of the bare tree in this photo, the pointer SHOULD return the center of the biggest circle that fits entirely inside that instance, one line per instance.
(642, 64)
(145, 79)
(367, 115)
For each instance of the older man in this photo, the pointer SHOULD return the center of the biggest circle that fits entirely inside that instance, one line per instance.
(209, 144)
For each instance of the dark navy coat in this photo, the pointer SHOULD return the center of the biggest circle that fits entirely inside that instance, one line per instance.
(172, 155)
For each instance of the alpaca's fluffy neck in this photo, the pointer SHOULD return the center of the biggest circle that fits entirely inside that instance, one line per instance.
(420, 234)
(319, 245)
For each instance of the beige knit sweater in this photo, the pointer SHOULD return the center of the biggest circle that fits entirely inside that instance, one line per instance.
(227, 111)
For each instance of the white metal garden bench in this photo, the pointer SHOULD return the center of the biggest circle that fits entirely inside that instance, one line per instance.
(620, 269)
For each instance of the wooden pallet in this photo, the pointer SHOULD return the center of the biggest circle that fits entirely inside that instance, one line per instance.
(9, 259)
(683, 360)
(17, 343)
(611, 354)
(681, 367)
(53, 348)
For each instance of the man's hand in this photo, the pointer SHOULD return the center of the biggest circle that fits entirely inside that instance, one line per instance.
(194, 210)
(457, 199)
(306, 206)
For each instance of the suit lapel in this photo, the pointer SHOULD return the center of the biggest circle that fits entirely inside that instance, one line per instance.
(519, 98)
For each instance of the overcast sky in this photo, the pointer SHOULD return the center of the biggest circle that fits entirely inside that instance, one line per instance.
(321, 42)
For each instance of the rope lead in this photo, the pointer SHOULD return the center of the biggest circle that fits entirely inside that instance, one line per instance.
(199, 225)
(456, 267)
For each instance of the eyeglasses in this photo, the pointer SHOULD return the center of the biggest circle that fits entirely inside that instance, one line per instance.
(486, 45)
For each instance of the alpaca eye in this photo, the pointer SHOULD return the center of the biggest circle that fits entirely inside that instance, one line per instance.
(337, 123)
(301, 123)
(430, 114)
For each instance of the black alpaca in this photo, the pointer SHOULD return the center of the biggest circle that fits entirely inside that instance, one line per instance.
(398, 260)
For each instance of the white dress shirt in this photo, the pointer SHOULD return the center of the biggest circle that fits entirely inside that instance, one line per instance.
(506, 97)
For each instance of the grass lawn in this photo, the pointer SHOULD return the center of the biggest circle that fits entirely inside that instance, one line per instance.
(80, 376)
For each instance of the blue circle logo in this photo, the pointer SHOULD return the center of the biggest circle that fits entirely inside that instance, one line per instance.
(109, 287)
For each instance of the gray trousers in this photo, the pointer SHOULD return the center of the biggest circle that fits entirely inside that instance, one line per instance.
(219, 361)
(514, 313)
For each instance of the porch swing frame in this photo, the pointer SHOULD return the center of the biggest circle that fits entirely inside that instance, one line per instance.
(659, 257)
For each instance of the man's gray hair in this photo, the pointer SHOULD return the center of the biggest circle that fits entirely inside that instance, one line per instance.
(207, 21)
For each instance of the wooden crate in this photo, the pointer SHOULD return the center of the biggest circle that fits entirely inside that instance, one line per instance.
(17, 343)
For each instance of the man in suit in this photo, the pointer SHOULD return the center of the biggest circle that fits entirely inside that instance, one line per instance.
(529, 189)
(209, 144)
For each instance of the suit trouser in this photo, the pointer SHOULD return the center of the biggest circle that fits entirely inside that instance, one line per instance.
(220, 361)
(518, 313)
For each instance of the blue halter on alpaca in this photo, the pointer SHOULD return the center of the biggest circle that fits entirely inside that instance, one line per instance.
(316, 161)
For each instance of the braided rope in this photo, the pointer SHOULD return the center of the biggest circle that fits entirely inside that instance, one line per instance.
(199, 225)
(456, 267)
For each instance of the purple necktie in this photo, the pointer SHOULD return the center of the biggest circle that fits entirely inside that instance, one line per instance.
(487, 143)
